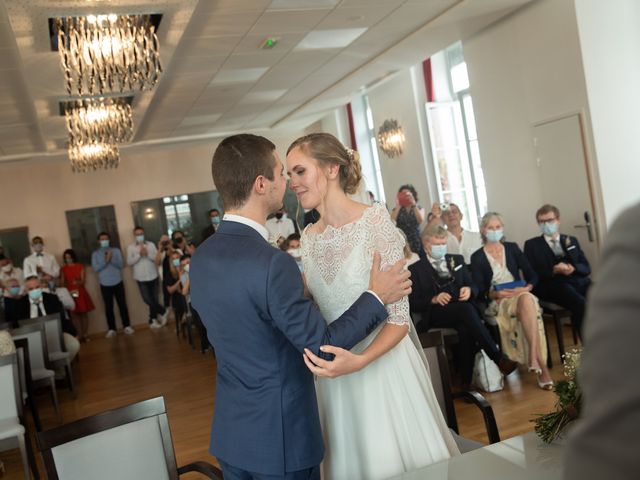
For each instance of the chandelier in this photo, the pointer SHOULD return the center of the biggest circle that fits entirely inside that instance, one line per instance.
(103, 120)
(108, 53)
(86, 157)
(391, 138)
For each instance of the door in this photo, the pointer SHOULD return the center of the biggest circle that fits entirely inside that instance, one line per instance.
(565, 179)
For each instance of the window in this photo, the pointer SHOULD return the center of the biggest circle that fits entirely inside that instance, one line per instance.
(373, 169)
(454, 144)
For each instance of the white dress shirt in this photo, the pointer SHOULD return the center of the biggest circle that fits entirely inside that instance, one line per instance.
(37, 309)
(261, 229)
(45, 260)
(16, 273)
(144, 268)
(554, 245)
(282, 227)
(469, 243)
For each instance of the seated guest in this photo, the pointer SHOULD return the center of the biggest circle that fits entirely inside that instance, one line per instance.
(40, 263)
(172, 283)
(494, 267)
(38, 303)
(214, 218)
(459, 240)
(443, 293)
(7, 271)
(12, 291)
(280, 226)
(560, 264)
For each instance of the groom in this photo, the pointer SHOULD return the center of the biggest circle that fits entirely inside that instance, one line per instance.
(251, 299)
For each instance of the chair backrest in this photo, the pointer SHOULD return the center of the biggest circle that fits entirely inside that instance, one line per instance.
(433, 344)
(34, 333)
(24, 366)
(127, 443)
(53, 331)
(10, 402)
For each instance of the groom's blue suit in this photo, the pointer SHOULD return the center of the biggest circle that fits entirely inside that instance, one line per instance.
(250, 298)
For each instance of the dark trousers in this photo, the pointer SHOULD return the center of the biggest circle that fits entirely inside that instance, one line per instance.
(569, 294)
(149, 292)
(235, 473)
(465, 319)
(107, 295)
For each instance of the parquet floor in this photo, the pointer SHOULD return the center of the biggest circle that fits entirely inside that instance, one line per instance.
(115, 372)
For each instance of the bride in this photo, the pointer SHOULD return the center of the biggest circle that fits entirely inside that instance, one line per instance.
(384, 419)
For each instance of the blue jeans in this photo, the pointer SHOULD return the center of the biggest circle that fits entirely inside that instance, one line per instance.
(149, 292)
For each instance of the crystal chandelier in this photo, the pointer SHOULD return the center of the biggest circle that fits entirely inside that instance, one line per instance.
(103, 120)
(93, 156)
(108, 53)
(391, 138)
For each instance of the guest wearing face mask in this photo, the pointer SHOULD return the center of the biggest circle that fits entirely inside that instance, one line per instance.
(107, 262)
(443, 295)
(292, 247)
(280, 226)
(8, 271)
(507, 297)
(561, 265)
(40, 263)
(214, 218)
(141, 257)
(73, 276)
(12, 291)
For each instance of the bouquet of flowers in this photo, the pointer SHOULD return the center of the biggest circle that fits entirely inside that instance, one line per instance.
(550, 426)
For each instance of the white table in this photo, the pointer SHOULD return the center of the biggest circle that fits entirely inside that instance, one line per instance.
(518, 458)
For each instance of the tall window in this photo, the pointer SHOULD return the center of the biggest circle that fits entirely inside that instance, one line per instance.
(177, 212)
(373, 146)
(454, 144)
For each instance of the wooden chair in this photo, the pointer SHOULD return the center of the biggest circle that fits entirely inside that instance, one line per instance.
(433, 345)
(128, 443)
(39, 359)
(558, 313)
(56, 351)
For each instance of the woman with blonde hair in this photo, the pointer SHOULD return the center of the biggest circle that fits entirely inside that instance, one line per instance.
(384, 419)
(496, 270)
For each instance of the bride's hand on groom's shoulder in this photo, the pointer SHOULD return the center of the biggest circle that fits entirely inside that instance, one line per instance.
(343, 363)
(391, 284)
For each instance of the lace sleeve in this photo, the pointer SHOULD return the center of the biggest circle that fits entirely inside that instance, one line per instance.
(385, 239)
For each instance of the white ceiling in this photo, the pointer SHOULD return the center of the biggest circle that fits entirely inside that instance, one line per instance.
(216, 79)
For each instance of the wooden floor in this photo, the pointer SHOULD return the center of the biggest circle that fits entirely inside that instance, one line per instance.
(114, 372)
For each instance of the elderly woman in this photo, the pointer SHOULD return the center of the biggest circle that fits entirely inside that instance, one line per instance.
(496, 270)
(408, 216)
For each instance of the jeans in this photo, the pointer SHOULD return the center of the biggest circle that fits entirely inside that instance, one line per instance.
(107, 295)
(149, 292)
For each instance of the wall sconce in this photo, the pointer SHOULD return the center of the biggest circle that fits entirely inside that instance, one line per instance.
(391, 138)
(149, 213)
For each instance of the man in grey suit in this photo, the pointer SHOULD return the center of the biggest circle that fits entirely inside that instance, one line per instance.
(606, 443)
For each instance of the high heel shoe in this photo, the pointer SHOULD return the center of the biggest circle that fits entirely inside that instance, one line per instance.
(544, 385)
(536, 370)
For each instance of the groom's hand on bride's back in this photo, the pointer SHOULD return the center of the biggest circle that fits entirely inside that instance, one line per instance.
(391, 284)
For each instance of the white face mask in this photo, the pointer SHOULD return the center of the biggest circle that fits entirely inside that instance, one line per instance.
(7, 268)
(294, 252)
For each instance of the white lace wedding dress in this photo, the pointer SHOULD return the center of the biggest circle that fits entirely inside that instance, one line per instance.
(384, 419)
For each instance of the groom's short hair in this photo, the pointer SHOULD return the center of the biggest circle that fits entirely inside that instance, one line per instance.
(236, 164)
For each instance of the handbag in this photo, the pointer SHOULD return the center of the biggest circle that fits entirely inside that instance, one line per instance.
(486, 374)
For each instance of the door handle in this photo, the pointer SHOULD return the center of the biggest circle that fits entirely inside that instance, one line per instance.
(587, 225)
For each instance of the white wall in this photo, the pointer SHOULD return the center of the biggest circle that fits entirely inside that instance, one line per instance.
(524, 69)
(609, 35)
(37, 195)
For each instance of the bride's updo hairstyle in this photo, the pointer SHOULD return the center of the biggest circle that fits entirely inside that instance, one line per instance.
(328, 150)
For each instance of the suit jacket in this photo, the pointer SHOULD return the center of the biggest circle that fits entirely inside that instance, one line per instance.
(250, 297)
(516, 262)
(602, 443)
(425, 285)
(20, 309)
(542, 258)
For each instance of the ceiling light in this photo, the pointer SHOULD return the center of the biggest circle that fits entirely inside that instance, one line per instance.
(108, 53)
(337, 38)
(102, 120)
(93, 156)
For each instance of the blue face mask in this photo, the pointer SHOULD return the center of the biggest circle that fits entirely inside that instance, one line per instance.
(215, 220)
(14, 291)
(139, 238)
(549, 228)
(176, 262)
(104, 243)
(494, 235)
(35, 294)
(438, 251)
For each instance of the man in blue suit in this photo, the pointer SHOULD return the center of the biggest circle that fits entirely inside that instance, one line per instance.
(560, 264)
(250, 297)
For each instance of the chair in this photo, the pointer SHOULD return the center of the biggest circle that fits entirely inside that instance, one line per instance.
(433, 345)
(56, 350)
(558, 313)
(38, 357)
(12, 427)
(26, 383)
(128, 443)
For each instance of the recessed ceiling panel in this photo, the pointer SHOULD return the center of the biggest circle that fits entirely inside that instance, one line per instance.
(326, 39)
